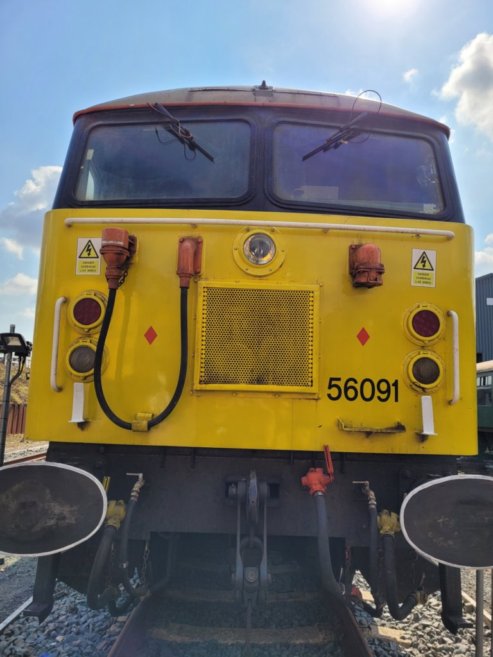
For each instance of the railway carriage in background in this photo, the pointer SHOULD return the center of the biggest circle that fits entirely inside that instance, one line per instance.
(248, 295)
(484, 381)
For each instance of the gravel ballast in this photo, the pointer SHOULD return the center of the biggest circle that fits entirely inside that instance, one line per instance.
(73, 630)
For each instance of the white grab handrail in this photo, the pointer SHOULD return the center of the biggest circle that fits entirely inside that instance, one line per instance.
(313, 225)
(54, 347)
(455, 356)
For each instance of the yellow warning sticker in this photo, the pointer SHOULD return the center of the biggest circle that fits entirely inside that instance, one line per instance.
(88, 257)
(423, 268)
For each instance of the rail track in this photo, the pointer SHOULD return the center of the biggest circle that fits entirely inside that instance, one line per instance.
(197, 615)
(24, 459)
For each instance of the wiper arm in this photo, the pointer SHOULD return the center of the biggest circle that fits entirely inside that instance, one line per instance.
(182, 134)
(341, 136)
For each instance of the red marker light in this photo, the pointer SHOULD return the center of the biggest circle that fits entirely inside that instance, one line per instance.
(426, 323)
(87, 311)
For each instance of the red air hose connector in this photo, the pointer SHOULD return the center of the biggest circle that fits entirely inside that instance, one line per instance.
(365, 265)
(316, 481)
(117, 247)
(189, 259)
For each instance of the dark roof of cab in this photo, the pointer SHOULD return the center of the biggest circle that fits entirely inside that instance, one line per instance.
(258, 95)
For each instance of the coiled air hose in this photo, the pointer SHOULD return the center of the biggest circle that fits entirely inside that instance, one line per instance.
(183, 363)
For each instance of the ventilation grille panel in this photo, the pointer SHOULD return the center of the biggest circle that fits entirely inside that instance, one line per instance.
(260, 338)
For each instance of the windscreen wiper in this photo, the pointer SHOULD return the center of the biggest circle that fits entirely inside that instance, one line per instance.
(340, 137)
(174, 127)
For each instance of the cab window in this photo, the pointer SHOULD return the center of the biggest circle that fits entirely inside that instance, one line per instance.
(136, 162)
(373, 170)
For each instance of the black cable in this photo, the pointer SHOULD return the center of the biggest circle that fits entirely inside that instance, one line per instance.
(98, 364)
(20, 369)
(183, 363)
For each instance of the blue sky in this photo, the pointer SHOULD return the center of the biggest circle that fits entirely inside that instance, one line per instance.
(56, 56)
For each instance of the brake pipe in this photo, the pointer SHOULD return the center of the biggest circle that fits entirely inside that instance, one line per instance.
(133, 591)
(389, 524)
(373, 550)
(316, 482)
(95, 598)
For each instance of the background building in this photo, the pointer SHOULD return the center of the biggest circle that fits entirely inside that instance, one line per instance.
(484, 318)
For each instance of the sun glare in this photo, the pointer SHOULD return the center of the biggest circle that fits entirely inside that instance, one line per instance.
(393, 7)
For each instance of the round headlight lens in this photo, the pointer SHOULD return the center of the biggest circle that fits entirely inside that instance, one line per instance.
(426, 371)
(81, 359)
(259, 249)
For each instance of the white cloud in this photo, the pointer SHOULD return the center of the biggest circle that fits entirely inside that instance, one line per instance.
(20, 284)
(471, 82)
(410, 75)
(22, 218)
(28, 313)
(37, 192)
(484, 258)
(12, 246)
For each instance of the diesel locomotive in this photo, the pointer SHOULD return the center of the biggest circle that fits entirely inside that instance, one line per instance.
(252, 299)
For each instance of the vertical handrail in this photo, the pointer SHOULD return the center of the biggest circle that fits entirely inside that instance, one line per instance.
(54, 347)
(455, 357)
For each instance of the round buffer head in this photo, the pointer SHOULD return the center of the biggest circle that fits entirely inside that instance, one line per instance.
(47, 508)
(450, 521)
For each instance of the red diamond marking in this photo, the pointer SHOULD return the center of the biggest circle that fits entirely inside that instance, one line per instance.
(363, 336)
(150, 335)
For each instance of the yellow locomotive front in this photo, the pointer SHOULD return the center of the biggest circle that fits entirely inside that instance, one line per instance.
(326, 326)
(285, 272)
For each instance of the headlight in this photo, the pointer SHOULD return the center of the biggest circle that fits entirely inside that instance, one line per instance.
(259, 249)
(424, 371)
(80, 359)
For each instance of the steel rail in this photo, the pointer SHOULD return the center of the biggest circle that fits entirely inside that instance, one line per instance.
(14, 615)
(24, 459)
(131, 640)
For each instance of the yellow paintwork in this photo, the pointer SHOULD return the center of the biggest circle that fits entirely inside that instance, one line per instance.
(139, 378)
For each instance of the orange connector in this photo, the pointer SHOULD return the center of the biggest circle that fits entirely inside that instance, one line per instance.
(117, 247)
(189, 259)
(316, 481)
(364, 265)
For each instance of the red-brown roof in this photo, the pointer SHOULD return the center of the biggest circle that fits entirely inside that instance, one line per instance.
(259, 96)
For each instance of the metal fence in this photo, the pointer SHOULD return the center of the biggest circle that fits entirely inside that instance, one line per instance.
(17, 418)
